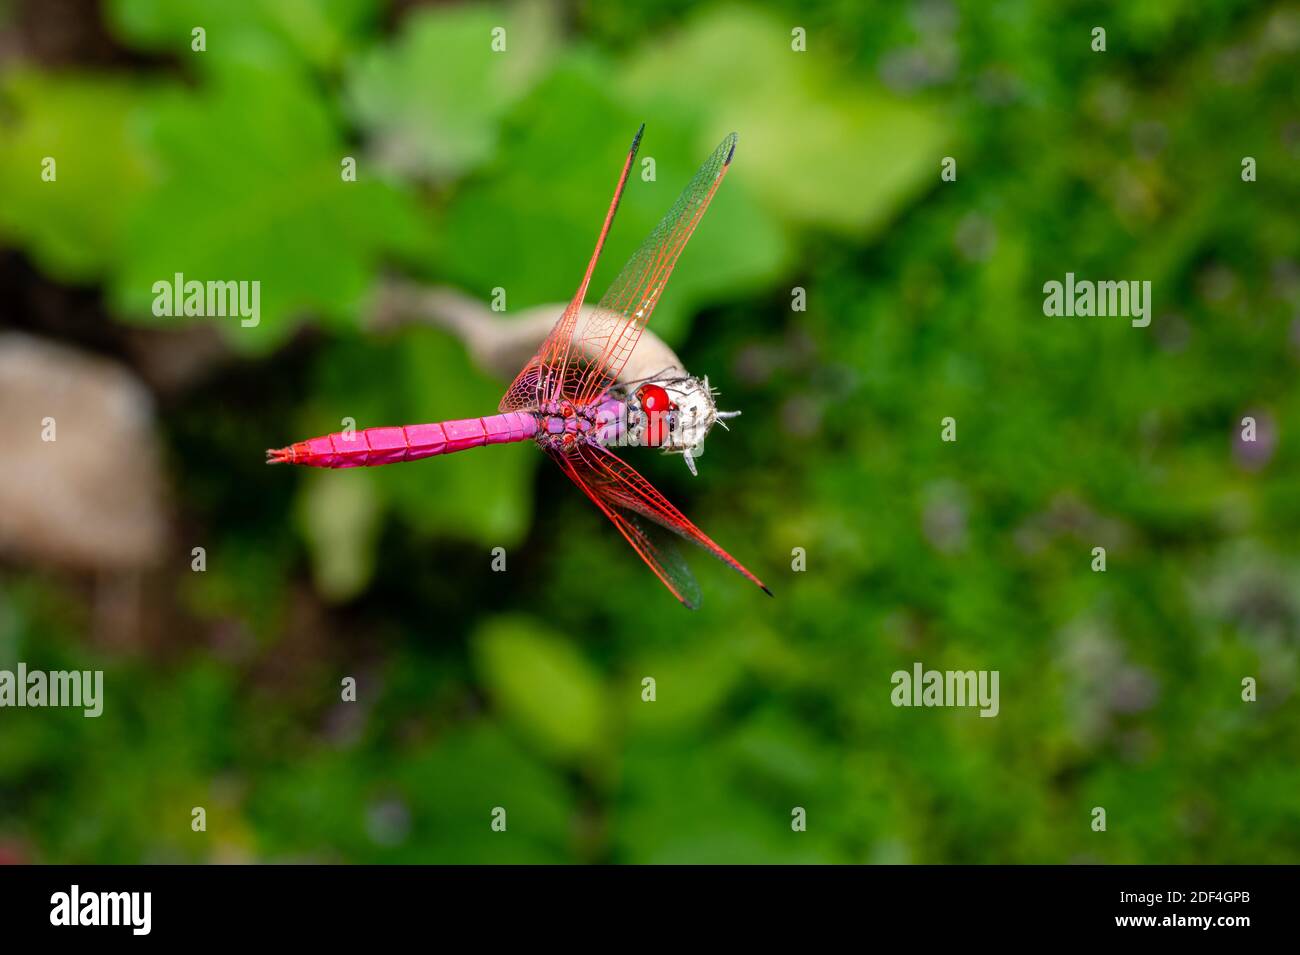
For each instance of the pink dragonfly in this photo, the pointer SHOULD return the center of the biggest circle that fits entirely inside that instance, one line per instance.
(568, 398)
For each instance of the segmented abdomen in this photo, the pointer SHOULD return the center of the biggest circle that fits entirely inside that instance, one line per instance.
(374, 446)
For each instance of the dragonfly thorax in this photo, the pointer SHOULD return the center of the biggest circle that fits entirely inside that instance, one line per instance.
(562, 423)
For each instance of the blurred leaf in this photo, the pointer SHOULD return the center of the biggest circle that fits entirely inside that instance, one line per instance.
(818, 144)
(73, 226)
(409, 94)
(252, 191)
(691, 684)
(543, 685)
(338, 517)
(318, 32)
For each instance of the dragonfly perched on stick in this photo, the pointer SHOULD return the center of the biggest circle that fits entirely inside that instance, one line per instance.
(569, 400)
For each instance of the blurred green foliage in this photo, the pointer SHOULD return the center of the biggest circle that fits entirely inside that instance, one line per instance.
(432, 102)
(524, 690)
(74, 232)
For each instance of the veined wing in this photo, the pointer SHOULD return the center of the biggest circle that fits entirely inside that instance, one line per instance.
(624, 495)
(606, 340)
(651, 544)
(540, 380)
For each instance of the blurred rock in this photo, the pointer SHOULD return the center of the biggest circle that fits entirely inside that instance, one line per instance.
(174, 359)
(92, 498)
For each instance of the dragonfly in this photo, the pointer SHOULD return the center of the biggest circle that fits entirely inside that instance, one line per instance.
(568, 398)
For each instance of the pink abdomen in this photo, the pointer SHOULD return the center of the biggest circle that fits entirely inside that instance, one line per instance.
(410, 442)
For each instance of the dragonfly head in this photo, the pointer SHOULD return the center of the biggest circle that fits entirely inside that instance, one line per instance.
(675, 413)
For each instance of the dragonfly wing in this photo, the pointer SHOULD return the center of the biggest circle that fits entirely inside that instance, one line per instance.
(540, 380)
(608, 337)
(616, 486)
(652, 544)
(670, 560)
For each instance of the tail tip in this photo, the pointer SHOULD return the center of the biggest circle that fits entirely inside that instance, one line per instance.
(279, 455)
(763, 587)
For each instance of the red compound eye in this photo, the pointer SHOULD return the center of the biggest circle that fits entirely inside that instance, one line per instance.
(655, 404)
(567, 439)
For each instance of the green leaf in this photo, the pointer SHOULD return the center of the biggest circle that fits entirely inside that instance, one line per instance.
(543, 685)
(818, 144)
(691, 685)
(252, 191)
(72, 226)
(338, 517)
(411, 95)
(316, 32)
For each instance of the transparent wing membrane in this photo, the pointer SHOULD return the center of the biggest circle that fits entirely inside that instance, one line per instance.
(540, 379)
(581, 360)
(608, 338)
(624, 495)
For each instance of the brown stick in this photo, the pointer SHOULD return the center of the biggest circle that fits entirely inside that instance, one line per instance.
(498, 344)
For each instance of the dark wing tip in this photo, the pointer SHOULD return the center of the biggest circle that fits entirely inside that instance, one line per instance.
(732, 151)
(636, 140)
